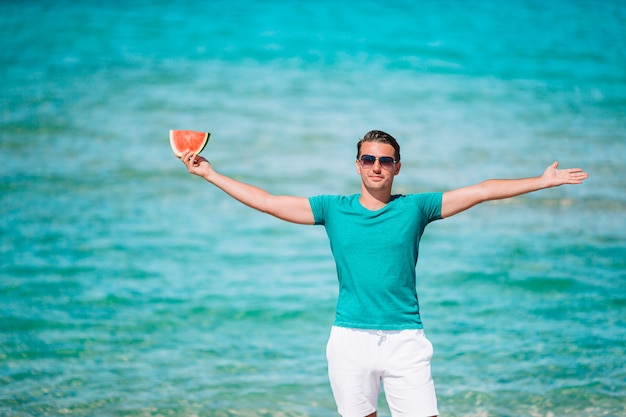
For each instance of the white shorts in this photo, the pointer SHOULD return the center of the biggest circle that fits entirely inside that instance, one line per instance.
(360, 360)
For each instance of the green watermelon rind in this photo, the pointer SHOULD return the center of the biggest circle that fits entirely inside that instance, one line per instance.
(179, 152)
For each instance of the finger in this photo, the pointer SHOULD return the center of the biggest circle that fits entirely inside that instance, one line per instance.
(577, 172)
(578, 176)
(189, 157)
(194, 160)
(200, 159)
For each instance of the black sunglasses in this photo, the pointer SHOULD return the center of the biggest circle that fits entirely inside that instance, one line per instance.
(368, 161)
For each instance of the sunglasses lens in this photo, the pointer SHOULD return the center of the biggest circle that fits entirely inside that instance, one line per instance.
(367, 160)
(386, 162)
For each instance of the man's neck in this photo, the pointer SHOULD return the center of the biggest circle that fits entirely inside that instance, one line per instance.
(374, 201)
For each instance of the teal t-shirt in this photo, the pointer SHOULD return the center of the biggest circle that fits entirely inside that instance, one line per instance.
(376, 254)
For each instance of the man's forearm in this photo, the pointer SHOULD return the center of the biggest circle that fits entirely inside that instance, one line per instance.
(462, 199)
(289, 208)
(247, 194)
(497, 189)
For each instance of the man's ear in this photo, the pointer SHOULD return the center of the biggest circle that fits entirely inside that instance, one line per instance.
(398, 166)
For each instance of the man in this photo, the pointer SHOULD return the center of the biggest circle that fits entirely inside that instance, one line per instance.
(377, 336)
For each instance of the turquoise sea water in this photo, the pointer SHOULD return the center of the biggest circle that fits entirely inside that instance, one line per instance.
(130, 288)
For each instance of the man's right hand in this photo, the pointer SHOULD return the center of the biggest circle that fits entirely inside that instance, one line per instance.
(196, 164)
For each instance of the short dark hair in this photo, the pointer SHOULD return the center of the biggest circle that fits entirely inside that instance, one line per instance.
(381, 137)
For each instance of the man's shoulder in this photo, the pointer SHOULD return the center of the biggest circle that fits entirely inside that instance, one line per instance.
(422, 196)
(429, 203)
(334, 198)
(328, 205)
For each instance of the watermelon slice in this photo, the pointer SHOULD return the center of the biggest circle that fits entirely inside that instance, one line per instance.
(188, 140)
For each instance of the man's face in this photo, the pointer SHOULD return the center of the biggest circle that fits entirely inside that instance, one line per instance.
(377, 177)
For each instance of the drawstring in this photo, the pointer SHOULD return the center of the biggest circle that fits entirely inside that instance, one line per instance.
(381, 337)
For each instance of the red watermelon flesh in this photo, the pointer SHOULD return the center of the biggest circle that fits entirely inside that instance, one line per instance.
(188, 140)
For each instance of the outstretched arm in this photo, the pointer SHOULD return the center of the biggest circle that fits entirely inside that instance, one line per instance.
(289, 208)
(461, 199)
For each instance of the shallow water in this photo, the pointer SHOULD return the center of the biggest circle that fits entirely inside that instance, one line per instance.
(129, 288)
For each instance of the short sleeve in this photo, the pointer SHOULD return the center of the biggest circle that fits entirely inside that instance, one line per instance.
(430, 204)
(320, 205)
